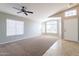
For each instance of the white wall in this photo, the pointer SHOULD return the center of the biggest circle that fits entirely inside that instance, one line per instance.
(31, 28)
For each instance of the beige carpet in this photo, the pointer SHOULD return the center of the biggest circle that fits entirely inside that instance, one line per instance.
(28, 47)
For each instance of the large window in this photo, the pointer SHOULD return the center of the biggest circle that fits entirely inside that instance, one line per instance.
(51, 27)
(71, 13)
(14, 27)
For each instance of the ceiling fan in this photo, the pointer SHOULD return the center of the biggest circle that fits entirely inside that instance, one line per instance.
(23, 10)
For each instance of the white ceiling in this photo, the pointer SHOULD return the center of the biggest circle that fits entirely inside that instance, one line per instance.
(41, 10)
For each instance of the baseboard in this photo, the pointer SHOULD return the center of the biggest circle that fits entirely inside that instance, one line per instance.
(71, 41)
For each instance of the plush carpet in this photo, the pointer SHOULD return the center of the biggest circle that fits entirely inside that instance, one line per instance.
(28, 47)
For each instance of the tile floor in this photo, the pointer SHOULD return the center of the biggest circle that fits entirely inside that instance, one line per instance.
(63, 48)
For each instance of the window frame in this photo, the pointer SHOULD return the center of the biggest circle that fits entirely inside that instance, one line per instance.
(70, 13)
(52, 24)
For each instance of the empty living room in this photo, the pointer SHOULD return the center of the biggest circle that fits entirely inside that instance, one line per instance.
(39, 29)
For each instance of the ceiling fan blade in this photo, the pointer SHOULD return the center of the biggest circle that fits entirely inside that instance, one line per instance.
(16, 8)
(29, 12)
(19, 12)
(25, 13)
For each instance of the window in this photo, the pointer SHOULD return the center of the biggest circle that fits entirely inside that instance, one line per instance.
(71, 13)
(14, 27)
(51, 27)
